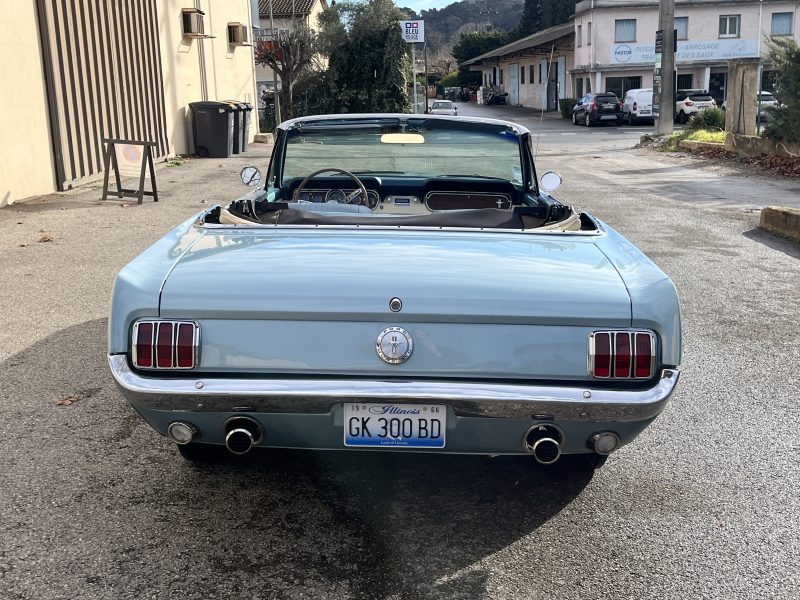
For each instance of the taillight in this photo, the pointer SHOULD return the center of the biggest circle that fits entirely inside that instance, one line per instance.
(165, 344)
(621, 354)
(593, 106)
(688, 103)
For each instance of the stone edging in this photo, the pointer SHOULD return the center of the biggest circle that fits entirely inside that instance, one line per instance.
(781, 221)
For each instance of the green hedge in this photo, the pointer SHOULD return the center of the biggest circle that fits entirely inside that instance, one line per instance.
(565, 106)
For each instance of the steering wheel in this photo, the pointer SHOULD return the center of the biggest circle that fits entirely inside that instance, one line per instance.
(348, 198)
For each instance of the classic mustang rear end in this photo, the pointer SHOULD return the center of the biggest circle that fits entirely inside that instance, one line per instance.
(496, 322)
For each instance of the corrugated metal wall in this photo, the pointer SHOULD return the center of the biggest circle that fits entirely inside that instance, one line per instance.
(103, 75)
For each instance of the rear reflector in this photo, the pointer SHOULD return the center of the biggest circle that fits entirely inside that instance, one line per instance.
(165, 344)
(621, 354)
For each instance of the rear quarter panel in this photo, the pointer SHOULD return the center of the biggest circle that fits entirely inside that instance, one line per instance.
(137, 288)
(654, 299)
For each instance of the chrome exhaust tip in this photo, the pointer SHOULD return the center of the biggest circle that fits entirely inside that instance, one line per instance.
(242, 434)
(544, 442)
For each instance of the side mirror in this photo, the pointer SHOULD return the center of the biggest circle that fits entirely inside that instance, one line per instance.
(550, 181)
(250, 176)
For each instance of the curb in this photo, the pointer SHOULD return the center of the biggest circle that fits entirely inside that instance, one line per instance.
(781, 221)
(691, 145)
(263, 138)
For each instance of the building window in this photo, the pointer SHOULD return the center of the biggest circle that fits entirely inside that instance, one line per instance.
(579, 87)
(729, 25)
(782, 23)
(682, 27)
(588, 85)
(522, 75)
(620, 85)
(625, 30)
(589, 33)
(579, 36)
(684, 82)
(532, 73)
(501, 76)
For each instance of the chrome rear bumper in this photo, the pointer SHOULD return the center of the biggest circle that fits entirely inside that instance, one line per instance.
(318, 396)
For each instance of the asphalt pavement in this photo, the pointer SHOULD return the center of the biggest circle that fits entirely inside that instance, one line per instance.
(704, 504)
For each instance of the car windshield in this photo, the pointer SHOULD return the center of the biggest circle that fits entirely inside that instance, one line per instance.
(442, 105)
(414, 147)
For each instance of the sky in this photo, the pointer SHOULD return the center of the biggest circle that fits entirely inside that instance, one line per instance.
(419, 5)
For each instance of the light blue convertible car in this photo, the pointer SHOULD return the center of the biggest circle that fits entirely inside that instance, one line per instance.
(397, 282)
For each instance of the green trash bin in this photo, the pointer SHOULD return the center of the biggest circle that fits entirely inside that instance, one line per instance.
(212, 128)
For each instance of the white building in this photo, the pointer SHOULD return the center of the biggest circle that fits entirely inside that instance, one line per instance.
(613, 47)
(615, 41)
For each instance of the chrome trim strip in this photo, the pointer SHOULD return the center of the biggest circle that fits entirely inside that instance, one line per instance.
(478, 399)
(256, 226)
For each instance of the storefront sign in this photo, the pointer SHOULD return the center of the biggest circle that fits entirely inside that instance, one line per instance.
(413, 31)
(688, 51)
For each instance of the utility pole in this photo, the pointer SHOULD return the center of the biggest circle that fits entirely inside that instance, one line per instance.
(666, 69)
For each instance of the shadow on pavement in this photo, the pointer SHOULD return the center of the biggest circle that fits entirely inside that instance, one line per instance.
(124, 511)
(775, 242)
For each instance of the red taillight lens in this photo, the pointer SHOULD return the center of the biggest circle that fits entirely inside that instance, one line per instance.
(688, 103)
(185, 347)
(165, 344)
(621, 354)
(602, 355)
(593, 106)
(143, 345)
(643, 369)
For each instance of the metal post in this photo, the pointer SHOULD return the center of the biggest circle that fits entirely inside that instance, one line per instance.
(425, 62)
(666, 109)
(275, 96)
(414, 73)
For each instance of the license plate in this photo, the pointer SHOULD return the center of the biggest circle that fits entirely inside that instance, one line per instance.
(395, 425)
(608, 117)
(608, 105)
(644, 112)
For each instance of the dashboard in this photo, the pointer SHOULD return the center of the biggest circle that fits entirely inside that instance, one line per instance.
(413, 195)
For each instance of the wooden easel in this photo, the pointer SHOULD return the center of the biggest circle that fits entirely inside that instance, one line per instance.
(110, 159)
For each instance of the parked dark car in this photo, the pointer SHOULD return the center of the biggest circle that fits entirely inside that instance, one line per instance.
(595, 108)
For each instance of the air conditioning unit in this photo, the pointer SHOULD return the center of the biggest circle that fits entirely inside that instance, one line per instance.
(192, 22)
(237, 34)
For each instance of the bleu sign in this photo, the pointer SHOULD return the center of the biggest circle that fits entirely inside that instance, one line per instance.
(688, 51)
(413, 31)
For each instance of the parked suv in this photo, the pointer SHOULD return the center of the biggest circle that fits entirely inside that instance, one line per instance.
(638, 106)
(601, 107)
(689, 102)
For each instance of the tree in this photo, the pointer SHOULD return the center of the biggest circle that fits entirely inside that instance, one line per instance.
(289, 55)
(471, 45)
(367, 61)
(541, 14)
(783, 122)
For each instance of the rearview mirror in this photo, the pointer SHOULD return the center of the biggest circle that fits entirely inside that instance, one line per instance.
(250, 176)
(550, 181)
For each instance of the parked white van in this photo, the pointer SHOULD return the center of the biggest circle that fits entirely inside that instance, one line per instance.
(638, 106)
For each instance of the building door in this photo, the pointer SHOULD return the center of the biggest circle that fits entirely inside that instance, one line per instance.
(102, 66)
(513, 83)
(684, 82)
(717, 87)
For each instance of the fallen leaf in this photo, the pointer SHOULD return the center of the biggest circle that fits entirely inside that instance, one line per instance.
(23, 245)
(124, 204)
(19, 222)
(63, 208)
(45, 238)
(203, 201)
(68, 401)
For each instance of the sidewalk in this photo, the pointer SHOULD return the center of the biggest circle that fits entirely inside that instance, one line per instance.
(59, 253)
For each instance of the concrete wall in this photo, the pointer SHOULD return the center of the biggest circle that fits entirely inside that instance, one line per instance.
(26, 160)
(531, 92)
(203, 69)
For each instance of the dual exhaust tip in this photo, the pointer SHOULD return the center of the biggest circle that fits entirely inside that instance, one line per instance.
(545, 442)
(241, 434)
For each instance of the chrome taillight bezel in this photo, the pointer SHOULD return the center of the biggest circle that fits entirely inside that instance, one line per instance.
(613, 333)
(156, 326)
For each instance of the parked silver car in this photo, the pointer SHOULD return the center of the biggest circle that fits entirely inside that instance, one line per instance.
(443, 107)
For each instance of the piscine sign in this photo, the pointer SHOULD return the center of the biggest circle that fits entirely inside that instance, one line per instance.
(413, 31)
(687, 51)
